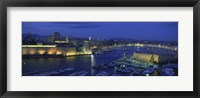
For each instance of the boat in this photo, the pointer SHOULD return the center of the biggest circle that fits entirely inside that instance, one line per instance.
(83, 73)
(148, 71)
(69, 69)
(168, 72)
(111, 65)
(80, 73)
(124, 70)
(102, 66)
(53, 73)
(61, 71)
(175, 66)
(103, 73)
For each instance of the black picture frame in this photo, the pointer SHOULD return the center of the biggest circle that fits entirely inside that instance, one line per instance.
(98, 3)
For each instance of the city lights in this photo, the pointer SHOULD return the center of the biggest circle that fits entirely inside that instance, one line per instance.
(41, 52)
(92, 49)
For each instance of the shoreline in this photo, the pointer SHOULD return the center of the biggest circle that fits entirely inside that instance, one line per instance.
(50, 56)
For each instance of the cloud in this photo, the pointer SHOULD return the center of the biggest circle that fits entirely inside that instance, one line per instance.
(78, 24)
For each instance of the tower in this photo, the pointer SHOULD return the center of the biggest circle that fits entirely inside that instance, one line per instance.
(67, 39)
(90, 38)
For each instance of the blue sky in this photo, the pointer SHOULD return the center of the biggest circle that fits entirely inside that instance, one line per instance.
(162, 31)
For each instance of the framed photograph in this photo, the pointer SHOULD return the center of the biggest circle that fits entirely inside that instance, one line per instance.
(74, 48)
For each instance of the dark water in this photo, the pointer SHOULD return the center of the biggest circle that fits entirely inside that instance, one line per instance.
(80, 63)
(85, 65)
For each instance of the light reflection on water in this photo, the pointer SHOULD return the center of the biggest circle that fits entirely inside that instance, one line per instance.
(80, 63)
(33, 64)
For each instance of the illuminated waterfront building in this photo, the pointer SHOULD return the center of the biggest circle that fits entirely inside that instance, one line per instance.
(38, 49)
(44, 50)
(71, 51)
(138, 44)
(154, 58)
(144, 57)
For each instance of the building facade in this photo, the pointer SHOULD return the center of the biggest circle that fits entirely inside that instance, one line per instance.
(154, 58)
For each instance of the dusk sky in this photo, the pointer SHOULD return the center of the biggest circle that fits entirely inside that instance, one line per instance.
(163, 31)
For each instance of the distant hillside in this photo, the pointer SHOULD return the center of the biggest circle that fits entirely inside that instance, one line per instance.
(38, 36)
